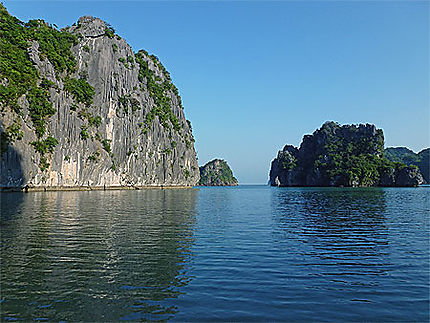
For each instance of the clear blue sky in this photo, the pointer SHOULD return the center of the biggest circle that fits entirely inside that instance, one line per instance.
(255, 76)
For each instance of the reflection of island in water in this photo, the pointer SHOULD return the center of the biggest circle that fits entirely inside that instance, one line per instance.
(76, 253)
(342, 231)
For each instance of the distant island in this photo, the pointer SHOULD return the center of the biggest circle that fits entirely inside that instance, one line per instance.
(408, 157)
(217, 173)
(81, 110)
(341, 155)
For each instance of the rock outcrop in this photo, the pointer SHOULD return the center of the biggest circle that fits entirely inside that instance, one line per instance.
(408, 157)
(424, 164)
(336, 155)
(84, 110)
(217, 173)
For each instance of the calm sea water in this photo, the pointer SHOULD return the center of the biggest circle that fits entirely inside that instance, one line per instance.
(247, 253)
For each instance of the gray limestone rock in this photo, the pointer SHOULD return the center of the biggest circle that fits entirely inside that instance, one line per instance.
(121, 148)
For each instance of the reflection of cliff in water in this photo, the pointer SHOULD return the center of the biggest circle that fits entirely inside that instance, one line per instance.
(86, 250)
(342, 231)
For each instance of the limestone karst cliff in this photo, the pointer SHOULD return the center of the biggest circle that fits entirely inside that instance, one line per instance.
(217, 173)
(408, 157)
(336, 155)
(80, 108)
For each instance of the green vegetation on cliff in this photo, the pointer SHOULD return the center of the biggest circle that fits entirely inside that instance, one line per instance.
(80, 89)
(158, 91)
(45, 146)
(16, 67)
(217, 173)
(401, 155)
(408, 157)
(349, 157)
(40, 108)
(53, 44)
(19, 75)
(335, 155)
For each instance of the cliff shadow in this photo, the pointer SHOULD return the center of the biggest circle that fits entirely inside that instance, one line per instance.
(11, 164)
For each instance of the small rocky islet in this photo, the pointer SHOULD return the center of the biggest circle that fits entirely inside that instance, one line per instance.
(341, 155)
(217, 173)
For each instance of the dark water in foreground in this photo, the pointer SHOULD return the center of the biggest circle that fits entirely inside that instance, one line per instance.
(251, 253)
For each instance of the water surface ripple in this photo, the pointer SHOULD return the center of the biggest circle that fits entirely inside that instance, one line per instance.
(247, 253)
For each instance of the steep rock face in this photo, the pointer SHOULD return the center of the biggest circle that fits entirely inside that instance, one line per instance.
(117, 119)
(336, 155)
(424, 164)
(281, 173)
(217, 173)
(408, 157)
(408, 176)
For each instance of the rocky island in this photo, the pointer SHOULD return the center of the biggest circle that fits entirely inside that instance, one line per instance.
(80, 109)
(341, 155)
(408, 157)
(217, 173)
